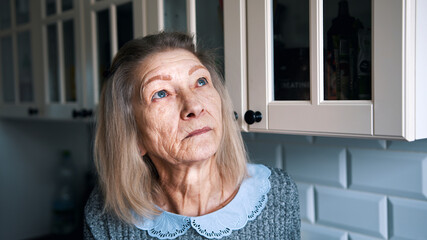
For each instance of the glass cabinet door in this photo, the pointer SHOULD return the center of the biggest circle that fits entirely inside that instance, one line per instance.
(112, 25)
(296, 73)
(347, 50)
(61, 50)
(17, 95)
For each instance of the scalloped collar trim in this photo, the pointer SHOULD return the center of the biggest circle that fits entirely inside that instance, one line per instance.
(248, 203)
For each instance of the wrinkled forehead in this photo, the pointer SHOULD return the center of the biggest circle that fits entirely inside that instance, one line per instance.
(170, 61)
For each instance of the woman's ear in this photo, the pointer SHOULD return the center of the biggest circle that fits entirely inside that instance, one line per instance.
(142, 150)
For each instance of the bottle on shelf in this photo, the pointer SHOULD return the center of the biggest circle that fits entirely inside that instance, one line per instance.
(364, 65)
(342, 56)
(64, 204)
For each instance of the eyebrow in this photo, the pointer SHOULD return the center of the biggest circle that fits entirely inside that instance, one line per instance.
(158, 77)
(167, 77)
(195, 68)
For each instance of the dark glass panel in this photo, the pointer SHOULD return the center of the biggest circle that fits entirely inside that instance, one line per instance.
(25, 78)
(6, 68)
(67, 5)
(103, 44)
(53, 70)
(347, 49)
(210, 27)
(5, 16)
(22, 10)
(175, 15)
(291, 50)
(50, 7)
(69, 61)
(124, 24)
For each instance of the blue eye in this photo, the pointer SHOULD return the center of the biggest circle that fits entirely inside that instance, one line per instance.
(160, 94)
(202, 82)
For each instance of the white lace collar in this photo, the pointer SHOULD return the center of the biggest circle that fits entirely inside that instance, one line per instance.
(248, 203)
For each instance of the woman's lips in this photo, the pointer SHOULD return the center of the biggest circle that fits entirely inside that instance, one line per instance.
(198, 132)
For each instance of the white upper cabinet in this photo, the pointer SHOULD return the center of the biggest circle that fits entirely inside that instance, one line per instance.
(62, 41)
(335, 68)
(19, 61)
(109, 25)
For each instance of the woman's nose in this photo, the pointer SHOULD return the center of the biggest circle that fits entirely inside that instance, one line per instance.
(191, 107)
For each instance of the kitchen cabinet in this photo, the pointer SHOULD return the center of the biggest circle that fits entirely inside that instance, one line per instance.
(62, 44)
(109, 25)
(292, 48)
(60, 51)
(19, 63)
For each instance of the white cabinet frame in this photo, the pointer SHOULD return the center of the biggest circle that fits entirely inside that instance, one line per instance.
(392, 111)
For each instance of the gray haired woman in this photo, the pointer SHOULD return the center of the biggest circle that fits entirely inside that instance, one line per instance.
(170, 158)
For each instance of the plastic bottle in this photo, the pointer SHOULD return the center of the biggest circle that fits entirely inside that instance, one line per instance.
(341, 57)
(64, 204)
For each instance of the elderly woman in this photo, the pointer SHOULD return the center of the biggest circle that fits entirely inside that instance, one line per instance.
(170, 158)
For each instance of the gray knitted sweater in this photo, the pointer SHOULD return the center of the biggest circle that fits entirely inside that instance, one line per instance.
(279, 219)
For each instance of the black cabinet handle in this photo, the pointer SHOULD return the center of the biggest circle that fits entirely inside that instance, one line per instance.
(82, 113)
(251, 117)
(33, 111)
(76, 113)
(86, 113)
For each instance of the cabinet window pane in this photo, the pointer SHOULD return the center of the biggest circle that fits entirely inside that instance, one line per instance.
(210, 27)
(25, 67)
(67, 5)
(175, 15)
(103, 44)
(22, 11)
(50, 7)
(52, 43)
(6, 68)
(347, 50)
(5, 19)
(291, 50)
(124, 23)
(69, 61)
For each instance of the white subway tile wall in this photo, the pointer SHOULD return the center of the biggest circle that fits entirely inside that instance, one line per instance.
(316, 164)
(352, 189)
(306, 192)
(318, 232)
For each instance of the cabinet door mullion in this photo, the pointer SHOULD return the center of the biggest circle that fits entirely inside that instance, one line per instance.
(316, 51)
(61, 62)
(15, 67)
(191, 19)
(113, 29)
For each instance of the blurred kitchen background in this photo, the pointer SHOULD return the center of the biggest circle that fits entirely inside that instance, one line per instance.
(354, 143)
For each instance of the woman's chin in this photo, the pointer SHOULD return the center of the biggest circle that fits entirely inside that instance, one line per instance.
(200, 154)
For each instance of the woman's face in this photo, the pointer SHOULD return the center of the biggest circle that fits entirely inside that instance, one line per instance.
(177, 108)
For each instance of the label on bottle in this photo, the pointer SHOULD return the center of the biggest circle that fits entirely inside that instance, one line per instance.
(364, 64)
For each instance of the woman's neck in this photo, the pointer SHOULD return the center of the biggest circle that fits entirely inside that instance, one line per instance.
(194, 189)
